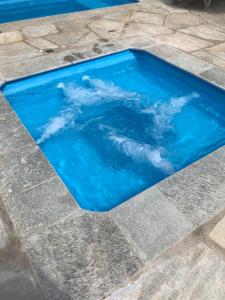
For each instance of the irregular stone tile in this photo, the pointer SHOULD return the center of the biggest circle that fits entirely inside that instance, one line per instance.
(212, 18)
(177, 21)
(204, 32)
(217, 49)
(17, 51)
(143, 17)
(41, 43)
(10, 37)
(164, 51)
(154, 9)
(136, 41)
(211, 58)
(218, 27)
(216, 75)
(198, 190)
(121, 17)
(34, 65)
(220, 154)
(22, 169)
(40, 206)
(3, 235)
(68, 37)
(190, 63)
(17, 283)
(39, 30)
(218, 233)
(107, 28)
(145, 29)
(4, 105)
(82, 257)
(152, 221)
(186, 273)
(184, 42)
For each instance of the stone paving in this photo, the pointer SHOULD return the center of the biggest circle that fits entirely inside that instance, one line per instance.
(52, 249)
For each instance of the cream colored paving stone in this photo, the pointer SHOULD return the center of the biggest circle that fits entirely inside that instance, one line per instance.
(142, 17)
(67, 38)
(17, 51)
(212, 18)
(106, 28)
(38, 31)
(121, 17)
(218, 50)
(41, 43)
(204, 32)
(184, 42)
(10, 37)
(218, 233)
(178, 21)
(211, 58)
(149, 30)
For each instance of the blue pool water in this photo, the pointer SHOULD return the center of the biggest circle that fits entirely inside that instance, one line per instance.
(114, 126)
(14, 10)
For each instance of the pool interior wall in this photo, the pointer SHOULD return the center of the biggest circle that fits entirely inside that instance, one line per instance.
(14, 10)
(116, 125)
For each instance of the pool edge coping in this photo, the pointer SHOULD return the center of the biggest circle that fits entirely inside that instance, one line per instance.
(133, 199)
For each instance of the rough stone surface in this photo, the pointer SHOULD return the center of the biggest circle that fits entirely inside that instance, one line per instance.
(197, 191)
(186, 273)
(16, 51)
(82, 257)
(17, 284)
(12, 134)
(4, 106)
(212, 58)
(190, 63)
(41, 205)
(204, 32)
(184, 42)
(144, 17)
(3, 235)
(177, 21)
(41, 43)
(147, 218)
(215, 75)
(41, 30)
(218, 233)
(149, 30)
(10, 37)
(23, 169)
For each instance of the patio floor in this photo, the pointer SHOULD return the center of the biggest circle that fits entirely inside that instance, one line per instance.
(157, 245)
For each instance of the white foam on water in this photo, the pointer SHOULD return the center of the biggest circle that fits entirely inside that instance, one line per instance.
(142, 152)
(164, 112)
(77, 97)
(55, 125)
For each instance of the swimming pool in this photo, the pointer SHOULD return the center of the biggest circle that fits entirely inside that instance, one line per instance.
(14, 10)
(113, 126)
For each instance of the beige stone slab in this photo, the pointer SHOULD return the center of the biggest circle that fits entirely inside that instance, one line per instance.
(41, 30)
(106, 28)
(10, 37)
(143, 17)
(211, 58)
(146, 29)
(67, 38)
(184, 42)
(218, 51)
(17, 51)
(41, 43)
(177, 21)
(204, 32)
(218, 233)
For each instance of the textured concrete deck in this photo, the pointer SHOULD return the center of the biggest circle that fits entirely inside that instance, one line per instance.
(49, 247)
